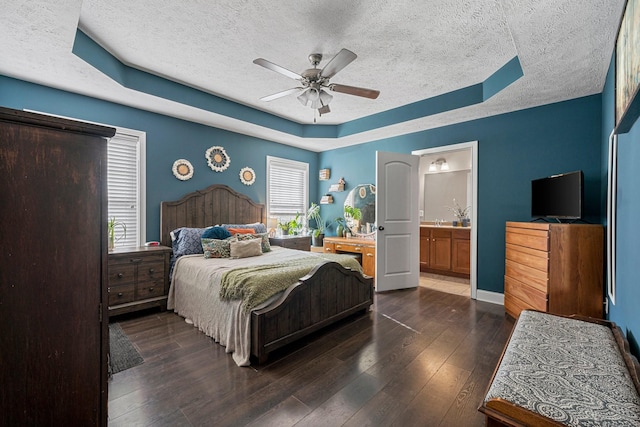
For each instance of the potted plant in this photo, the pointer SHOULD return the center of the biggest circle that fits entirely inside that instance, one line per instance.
(317, 236)
(461, 214)
(355, 214)
(290, 226)
(112, 224)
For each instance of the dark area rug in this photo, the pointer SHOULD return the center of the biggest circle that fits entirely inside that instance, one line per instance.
(122, 354)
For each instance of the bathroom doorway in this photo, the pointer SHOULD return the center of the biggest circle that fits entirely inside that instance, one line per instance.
(462, 166)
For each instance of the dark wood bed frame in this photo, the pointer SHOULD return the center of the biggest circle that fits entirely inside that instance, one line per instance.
(326, 295)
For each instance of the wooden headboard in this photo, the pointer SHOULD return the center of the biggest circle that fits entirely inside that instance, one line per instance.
(217, 204)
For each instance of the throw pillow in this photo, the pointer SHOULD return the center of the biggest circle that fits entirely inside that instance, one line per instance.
(187, 241)
(245, 248)
(216, 233)
(264, 238)
(217, 248)
(234, 231)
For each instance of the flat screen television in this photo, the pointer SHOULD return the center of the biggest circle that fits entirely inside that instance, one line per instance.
(558, 196)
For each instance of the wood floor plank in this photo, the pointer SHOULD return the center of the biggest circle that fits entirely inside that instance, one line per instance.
(419, 357)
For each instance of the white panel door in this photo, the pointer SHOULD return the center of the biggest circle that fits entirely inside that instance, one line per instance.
(397, 217)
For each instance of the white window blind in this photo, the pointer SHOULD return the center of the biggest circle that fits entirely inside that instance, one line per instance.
(124, 152)
(287, 188)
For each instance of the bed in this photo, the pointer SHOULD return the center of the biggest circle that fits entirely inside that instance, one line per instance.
(327, 294)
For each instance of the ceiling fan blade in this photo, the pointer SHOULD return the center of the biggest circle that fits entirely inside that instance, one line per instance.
(280, 94)
(357, 91)
(337, 63)
(278, 69)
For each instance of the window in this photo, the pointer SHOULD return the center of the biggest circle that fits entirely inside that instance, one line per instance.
(287, 188)
(126, 171)
(126, 154)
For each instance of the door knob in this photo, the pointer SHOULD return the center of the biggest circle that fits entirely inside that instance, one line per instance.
(381, 227)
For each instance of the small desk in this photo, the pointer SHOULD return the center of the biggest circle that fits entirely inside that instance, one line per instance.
(366, 249)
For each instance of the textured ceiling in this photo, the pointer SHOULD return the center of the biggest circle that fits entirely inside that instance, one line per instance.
(409, 50)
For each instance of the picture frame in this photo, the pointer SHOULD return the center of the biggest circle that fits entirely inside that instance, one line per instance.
(627, 68)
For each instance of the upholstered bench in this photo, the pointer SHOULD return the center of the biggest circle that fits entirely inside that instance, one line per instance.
(564, 371)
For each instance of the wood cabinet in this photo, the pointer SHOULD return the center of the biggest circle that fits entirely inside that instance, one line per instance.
(138, 278)
(556, 268)
(301, 243)
(53, 275)
(445, 250)
(366, 249)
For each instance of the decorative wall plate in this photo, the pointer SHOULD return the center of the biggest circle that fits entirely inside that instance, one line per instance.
(182, 169)
(247, 176)
(217, 158)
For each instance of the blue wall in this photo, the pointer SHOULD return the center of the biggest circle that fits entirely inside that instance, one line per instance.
(168, 139)
(625, 310)
(513, 149)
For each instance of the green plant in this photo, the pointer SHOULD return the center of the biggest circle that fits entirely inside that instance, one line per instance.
(112, 224)
(290, 226)
(314, 214)
(353, 213)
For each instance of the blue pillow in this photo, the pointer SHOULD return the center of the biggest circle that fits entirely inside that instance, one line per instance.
(187, 241)
(219, 233)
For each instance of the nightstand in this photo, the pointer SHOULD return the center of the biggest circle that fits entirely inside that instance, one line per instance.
(301, 243)
(138, 278)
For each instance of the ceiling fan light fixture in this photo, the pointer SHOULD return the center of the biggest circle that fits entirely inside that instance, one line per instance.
(325, 97)
(304, 97)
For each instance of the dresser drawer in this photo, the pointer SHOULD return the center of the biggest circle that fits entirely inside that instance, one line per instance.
(149, 289)
(121, 274)
(534, 239)
(535, 278)
(121, 294)
(529, 295)
(151, 271)
(344, 247)
(536, 259)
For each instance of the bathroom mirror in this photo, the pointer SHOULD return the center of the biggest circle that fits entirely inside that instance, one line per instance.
(363, 197)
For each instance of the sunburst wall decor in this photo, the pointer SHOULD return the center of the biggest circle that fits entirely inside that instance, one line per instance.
(182, 169)
(217, 158)
(247, 176)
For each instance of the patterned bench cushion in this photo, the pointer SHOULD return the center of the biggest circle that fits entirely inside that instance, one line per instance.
(568, 370)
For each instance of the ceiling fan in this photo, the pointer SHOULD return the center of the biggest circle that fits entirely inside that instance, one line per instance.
(314, 80)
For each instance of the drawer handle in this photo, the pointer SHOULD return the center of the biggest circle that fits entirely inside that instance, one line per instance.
(151, 289)
(339, 246)
(357, 249)
(369, 254)
(152, 270)
(120, 275)
(327, 249)
(136, 259)
(120, 294)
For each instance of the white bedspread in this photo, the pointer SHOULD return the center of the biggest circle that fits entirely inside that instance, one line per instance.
(195, 290)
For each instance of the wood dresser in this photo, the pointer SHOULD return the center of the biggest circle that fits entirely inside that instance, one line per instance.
(555, 268)
(138, 278)
(54, 336)
(366, 249)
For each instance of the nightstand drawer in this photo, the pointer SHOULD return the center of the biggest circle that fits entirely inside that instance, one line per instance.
(150, 271)
(149, 289)
(121, 274)
(121, 294)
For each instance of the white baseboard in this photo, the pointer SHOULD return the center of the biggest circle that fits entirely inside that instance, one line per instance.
(488, 296)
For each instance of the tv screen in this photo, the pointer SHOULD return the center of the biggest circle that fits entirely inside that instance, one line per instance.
(557, 196)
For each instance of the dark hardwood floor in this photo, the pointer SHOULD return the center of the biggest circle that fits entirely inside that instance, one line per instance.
(419, 358)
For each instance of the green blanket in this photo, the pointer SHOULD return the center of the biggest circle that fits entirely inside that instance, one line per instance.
(254, 285)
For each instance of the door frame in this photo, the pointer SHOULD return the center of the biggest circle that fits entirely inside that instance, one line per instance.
(473, 145)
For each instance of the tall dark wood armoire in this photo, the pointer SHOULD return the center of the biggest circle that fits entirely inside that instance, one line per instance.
(53, 265)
